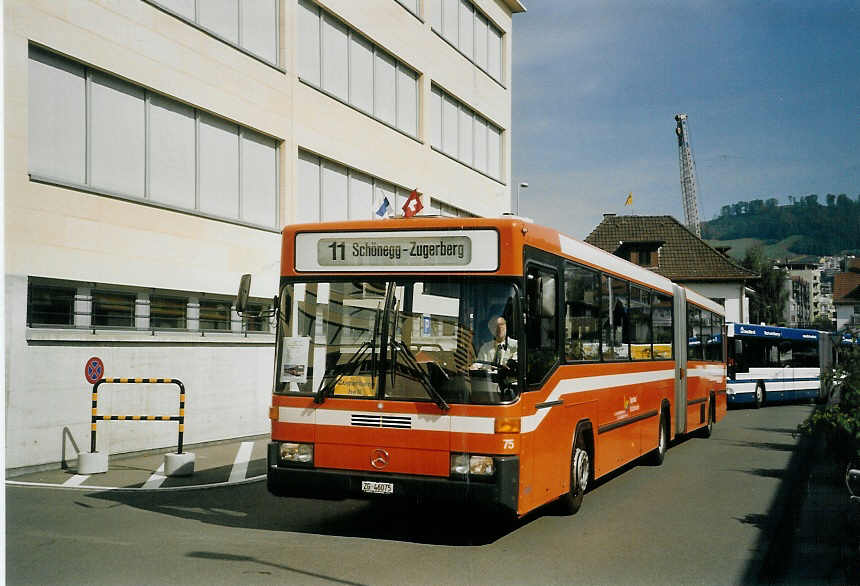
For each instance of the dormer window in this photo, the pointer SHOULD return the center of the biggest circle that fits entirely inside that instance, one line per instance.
(645, 253)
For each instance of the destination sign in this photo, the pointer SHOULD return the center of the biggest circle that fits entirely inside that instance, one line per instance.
(774, 332)
(423, 250)
(444, 250)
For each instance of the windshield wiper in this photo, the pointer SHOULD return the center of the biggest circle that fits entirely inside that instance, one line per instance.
(419, 374)
(340, 370)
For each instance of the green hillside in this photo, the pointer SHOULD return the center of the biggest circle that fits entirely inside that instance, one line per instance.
(804, 226)
(777, 250)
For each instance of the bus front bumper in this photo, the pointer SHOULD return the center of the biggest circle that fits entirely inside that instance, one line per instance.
(740, 398)
(500, 490)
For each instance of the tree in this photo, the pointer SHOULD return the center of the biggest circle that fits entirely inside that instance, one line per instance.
(840, 420)
(768, 305)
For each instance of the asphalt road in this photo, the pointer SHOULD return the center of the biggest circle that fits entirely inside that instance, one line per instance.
(713, 514)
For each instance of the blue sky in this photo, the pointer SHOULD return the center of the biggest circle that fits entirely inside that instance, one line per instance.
(772, 91)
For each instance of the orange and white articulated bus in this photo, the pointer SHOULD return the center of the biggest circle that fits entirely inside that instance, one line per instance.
(486, 361)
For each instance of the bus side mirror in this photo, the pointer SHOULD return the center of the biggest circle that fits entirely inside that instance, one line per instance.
(242, 295)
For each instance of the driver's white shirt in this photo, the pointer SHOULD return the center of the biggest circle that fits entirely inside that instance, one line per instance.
(507, 350)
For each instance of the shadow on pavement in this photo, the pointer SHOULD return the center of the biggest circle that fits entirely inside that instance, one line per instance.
(226, 557)
(807, 534)
(251, 506)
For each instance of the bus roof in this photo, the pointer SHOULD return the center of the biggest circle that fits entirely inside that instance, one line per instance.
(304, 247)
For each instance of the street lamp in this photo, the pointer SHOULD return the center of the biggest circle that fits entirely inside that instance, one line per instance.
(524, 185)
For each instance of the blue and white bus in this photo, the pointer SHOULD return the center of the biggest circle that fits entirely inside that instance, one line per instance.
(769, 364)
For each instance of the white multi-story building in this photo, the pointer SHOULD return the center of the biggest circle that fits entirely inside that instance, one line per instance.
(806, 292)
(153, 151)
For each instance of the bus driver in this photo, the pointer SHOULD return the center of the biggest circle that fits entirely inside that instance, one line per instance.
(500, 349)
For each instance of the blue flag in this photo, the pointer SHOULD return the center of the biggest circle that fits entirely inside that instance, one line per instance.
(383, 209)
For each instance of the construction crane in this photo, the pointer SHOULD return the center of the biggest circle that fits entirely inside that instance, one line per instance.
(689, 196)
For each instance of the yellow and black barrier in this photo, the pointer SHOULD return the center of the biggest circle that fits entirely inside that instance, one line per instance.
(96, 417)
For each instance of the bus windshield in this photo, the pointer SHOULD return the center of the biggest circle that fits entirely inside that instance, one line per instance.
(440, 339)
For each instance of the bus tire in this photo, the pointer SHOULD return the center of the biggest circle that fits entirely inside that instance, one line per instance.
(709, 428)
(580, 475)
(759, 395)
(659, 453)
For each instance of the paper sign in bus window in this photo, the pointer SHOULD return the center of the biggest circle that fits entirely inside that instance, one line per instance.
(294, 360)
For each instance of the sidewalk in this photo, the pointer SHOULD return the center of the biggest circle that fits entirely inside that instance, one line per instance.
(825, 542)
(218, 464)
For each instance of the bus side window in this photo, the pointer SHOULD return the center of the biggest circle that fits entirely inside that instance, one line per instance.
(541, 330)
(785, 353)
(741, 364)
(581, 302)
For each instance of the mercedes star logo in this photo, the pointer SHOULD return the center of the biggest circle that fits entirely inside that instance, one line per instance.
(379, 458)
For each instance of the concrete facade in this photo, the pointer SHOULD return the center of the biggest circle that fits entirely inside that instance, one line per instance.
(85, 237)
(732, 295)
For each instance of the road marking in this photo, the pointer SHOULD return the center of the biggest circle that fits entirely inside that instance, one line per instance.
(156, 479)
(76, 480)
(240, 464)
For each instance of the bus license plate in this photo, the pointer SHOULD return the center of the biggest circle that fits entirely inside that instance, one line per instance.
(377, 487)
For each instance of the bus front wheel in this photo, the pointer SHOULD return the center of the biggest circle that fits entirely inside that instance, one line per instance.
(580, 474)
(659, 453)
(759, 395)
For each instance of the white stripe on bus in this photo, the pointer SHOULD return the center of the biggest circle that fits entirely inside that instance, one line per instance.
(340, 418)
(593, 383)
(480, 425)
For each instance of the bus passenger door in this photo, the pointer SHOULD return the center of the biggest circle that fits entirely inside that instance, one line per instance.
(680, 319)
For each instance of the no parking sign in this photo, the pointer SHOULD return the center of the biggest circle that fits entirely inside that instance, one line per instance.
(94, 370)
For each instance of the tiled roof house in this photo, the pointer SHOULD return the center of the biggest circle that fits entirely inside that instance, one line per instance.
(665, 246)
(846, 296)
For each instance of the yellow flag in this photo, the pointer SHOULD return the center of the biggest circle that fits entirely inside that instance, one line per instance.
(629, 200)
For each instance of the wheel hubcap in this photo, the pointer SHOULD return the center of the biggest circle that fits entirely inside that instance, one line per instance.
(581, 466)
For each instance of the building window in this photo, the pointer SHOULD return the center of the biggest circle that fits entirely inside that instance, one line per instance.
(167, 312)
(461, 24)
(410, 5)
(343, 63)
(642, 253)
(251, 25)
(113, 309)
(333, 192)
(53, 303)
(461, 133)
(48, 305)
(214, 315)
(168, 154)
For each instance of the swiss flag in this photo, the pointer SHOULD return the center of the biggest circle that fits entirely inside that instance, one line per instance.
(413, 204)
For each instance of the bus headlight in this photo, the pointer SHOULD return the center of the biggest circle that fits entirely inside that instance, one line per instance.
(481, 465)
(462, 464)
(301, 453)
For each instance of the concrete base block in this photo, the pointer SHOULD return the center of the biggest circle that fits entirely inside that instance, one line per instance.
(92, 462)
(179, 464)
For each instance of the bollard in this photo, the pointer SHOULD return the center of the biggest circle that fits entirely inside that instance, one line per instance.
(175, 464)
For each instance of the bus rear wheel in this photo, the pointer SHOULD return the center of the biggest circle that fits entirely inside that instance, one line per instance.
(709, 428)
(580, 474)
(759, 395)
(659, 453)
